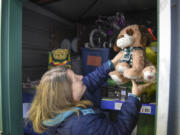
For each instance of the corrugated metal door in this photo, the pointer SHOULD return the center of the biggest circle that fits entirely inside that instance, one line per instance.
(1, 126)
(10, 68)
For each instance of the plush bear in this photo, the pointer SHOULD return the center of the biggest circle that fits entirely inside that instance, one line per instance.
(133, 65)
(59, 57)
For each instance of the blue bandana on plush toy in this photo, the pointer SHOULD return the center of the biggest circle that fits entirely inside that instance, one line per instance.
(59, 57)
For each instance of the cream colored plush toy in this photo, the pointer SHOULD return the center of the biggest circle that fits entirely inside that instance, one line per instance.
(131, 43)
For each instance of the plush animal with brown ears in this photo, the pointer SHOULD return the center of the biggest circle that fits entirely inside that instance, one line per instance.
(131, 43)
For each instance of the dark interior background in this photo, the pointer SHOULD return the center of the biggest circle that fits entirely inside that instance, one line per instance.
(76, 18)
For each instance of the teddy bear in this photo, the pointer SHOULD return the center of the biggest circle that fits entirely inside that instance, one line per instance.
(59, 57)
(133, 65)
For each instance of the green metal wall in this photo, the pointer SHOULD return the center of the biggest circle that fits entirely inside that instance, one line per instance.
(11, 67)
(1, 126)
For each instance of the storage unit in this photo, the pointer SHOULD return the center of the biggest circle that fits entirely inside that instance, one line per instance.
(30, 40)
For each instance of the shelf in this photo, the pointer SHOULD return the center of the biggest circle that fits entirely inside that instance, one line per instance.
(112, 104)
(106, 103)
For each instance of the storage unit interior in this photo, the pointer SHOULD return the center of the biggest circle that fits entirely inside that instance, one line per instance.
(52, 23)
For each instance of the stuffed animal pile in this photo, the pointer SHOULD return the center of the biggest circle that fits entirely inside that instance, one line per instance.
(133, 65)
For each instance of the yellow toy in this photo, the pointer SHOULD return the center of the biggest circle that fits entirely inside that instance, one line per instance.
(59, 57)
(151, 53)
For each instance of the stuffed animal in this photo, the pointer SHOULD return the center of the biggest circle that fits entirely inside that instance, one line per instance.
(151, 55)
(133, 65)
(59, 57)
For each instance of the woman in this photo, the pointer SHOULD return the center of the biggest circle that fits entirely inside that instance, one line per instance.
(60, 108)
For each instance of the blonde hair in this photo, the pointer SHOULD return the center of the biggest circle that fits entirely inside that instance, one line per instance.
(53, 97)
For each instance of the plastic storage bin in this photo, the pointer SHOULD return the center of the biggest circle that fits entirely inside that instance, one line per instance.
(92, 58)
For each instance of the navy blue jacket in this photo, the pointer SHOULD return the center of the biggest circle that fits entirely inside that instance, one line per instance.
(97, 123)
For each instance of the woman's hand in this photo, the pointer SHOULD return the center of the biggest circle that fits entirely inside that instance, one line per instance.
(139, 89)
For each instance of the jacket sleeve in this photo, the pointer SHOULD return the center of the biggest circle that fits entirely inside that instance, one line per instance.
(95, 80)
(100, 125)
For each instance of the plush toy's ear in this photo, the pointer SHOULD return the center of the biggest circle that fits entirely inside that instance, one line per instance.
(146, 38)
(130, 32)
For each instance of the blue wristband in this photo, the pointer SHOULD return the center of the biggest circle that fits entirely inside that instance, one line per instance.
(111, 65)
(138, 98)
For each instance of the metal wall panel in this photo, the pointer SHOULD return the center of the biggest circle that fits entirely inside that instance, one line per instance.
(36, 33)
(1, 103)
(11, 54)
(174, 105)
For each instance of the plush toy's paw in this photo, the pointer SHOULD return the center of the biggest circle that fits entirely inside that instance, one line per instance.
(149, 74)
(118, 78)
(121, 67)
(132, 73)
